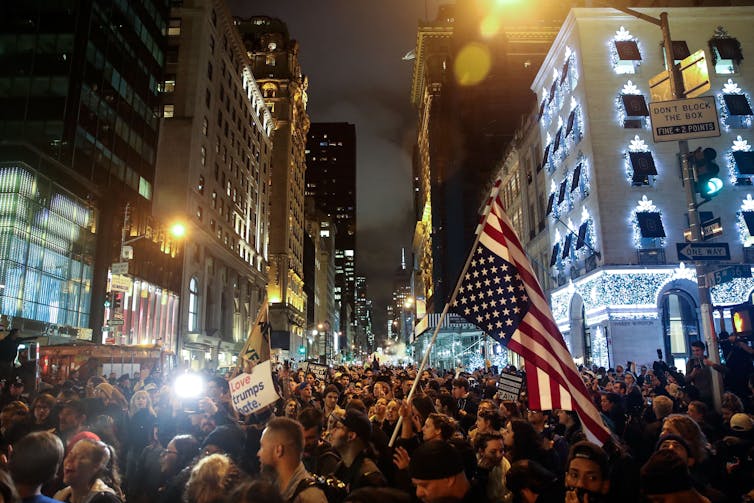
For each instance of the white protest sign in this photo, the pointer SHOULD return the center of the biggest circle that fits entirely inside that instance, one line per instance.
(509, 386)
(251, 392)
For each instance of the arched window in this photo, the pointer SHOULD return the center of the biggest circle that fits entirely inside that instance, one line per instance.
(680, 327)
(193, 305)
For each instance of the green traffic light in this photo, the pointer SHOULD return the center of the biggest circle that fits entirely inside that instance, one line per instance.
(712, 187)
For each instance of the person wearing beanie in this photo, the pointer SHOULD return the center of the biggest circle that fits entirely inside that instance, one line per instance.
(350, 436)
(665, 478)
(225, 439)
(437, 471)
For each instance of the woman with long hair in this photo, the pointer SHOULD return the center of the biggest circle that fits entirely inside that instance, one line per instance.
(41, 413)
(211, 479)
(522, 441)
(90, 471)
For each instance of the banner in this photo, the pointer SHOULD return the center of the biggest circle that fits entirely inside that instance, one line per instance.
(257, 347)
(253, 391)
(509, 386)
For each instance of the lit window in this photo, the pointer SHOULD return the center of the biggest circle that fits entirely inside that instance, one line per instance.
(145, 188)
(193, 307)
(270, 60)
(168, 85)
(200, 185)
(205, 126)
(174, 27)
(726, 52)
(168, 111)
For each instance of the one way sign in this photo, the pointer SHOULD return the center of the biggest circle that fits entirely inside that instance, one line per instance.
(703, 251)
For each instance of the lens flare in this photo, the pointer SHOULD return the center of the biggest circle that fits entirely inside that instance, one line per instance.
(490, 26)
(472, 64)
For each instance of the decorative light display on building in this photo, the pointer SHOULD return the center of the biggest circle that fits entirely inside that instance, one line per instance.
(739, 145)
(620, 62)
(599, 354)
(645, 206)
(747, 206)
(618, 293)
(728, 119)
(629, 88)
(636, 145)
(589, 237)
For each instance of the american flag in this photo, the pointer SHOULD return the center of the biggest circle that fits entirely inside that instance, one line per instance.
(501, 295)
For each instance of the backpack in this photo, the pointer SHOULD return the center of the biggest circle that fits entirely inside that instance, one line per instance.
(334, 489)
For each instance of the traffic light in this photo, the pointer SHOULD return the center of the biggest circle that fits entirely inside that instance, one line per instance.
(108, 299)
(117, 301)
(708, 184)
(301, 349)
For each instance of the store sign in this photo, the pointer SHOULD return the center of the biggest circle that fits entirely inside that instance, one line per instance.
(120, 283)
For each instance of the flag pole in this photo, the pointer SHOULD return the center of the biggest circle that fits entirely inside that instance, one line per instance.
(452, 299)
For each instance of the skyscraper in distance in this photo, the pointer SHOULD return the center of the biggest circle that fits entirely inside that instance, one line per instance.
(331, 181)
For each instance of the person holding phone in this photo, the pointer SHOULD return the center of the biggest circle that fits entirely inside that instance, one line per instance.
(699, 372)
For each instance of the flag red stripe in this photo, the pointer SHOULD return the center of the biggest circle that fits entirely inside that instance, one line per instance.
(596, 428)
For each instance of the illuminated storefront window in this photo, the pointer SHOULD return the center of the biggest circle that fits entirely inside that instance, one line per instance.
(47, 249)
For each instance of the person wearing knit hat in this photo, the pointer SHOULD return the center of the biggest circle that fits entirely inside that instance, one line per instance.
(677, 444)
(350, 436)
(225, 439)
(437, 471)
(665, 478)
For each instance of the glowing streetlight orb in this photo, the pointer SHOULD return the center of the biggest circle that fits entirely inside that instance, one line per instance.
(490, 26)
(472, 64)
(178, 230)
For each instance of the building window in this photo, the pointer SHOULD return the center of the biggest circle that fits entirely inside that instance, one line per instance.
(213, 17)
(726, 52)
(562, 191)
(174, 27)
(270, 60)
(203, 156)
(193, 307)
(199, 213)
(168, 110)
(211, 44)
(214, 199)
(550, 204)
(555, 254)
(207, 97)
(576, 181)
(625, 52)
(200, 185)
(168, 85)
(632, 107)
(680, 52)
(650, 225)
(581, 240)
(744, 162)
(209, 70)
(205, 126)
(680, 326)
(643, 166)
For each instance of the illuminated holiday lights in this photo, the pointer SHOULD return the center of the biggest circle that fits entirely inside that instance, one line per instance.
(739, 145)
(623, 66)
(728, 120)
(629, 88)
(645, 206)
(743, 230)
(599, 354)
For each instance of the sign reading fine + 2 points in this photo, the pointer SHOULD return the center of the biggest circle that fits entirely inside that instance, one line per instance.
(703, 251)
(684, 119)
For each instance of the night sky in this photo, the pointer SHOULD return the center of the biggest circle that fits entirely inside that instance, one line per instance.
(352, 51)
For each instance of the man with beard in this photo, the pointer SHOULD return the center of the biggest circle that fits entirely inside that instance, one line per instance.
(281, 447)
(437, 472)
(319, 456)
(587, 478)
(350, 437)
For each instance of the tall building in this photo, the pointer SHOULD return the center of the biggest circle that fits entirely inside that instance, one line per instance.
(331, 181)
(214, 170)
(402, 309)
(322, 313)
(362, 319)
(79, 94)
(274, 59)
(615, 201)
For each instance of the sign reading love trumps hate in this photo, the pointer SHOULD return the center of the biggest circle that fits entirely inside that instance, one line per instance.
(250, 392)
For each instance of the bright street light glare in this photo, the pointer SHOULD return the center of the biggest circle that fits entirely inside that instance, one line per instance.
(178, 230)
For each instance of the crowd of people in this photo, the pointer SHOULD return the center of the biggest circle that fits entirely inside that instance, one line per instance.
(131, 439)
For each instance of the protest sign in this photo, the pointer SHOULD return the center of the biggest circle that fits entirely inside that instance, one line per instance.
(509, 386)
(319, 371)
(250, 392)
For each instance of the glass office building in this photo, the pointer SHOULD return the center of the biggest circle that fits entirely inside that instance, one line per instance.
(46, 249)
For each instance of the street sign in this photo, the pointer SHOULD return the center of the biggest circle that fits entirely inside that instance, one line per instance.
(703, 251)
(120, 283)
(712, 229)
(119, 268)
(729, 274)
(114, 322)
(684, 119)
(695, 75)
